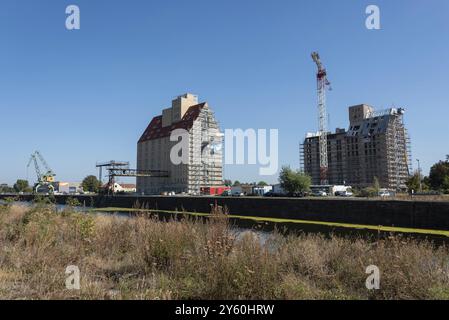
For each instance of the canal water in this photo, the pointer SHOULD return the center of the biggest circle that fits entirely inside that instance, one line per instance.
(238, 230)
(263, 230)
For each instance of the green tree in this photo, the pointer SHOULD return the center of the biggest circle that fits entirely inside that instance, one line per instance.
(227, 183)
(262, 184)
(426, 180)
(426, 183)
(372, 191)
(438, 174)
(73, 202)
(237, 183)
(413, 183)
(294, 181)
(368, 192)
(6, 189)
(445, 185)
(376, 185)
(91, 184)
(21, 186)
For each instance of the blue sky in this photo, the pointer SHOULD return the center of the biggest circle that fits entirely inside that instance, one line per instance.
(87, 95)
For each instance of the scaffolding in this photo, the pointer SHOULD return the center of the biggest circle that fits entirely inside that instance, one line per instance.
(408, 142)
(205, 159)
(379, 147)
(309, 154)
(398, 151)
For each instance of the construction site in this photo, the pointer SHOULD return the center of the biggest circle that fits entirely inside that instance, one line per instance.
(376, 147)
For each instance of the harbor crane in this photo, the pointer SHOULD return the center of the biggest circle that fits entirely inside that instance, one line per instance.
(121, 169)
(322, 85)
(45, 179)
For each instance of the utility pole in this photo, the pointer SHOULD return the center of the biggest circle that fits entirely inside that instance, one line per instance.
(419, 175)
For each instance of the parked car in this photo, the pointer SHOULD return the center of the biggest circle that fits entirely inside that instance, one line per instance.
(319, 193)
(273, 194)
(384, 194)
(297, 195)
(237, 194)
(226, 193)
(344, 194)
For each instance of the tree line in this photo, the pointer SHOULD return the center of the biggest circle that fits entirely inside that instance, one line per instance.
(89, 184)
(437, 180)
(292, 181)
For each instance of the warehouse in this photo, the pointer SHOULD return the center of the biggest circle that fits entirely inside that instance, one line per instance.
(203, 168)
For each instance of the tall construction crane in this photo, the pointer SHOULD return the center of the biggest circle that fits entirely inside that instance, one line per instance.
(43, 179)
(322, 85)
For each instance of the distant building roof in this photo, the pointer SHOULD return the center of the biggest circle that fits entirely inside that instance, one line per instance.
(127, 185)
(122, 185)
(155, 130)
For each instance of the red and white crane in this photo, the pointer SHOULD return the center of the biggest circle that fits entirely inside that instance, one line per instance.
(322, 85)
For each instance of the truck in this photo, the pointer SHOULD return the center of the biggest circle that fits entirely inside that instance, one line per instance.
(214, 191)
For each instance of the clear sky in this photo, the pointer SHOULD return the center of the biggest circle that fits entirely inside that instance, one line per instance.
(87, 95)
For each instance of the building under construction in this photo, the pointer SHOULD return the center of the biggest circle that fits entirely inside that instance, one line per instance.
(376, 145)
(202, 168)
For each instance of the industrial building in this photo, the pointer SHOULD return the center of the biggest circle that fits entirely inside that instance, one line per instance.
(117, 187)
(203, 168)
(375, 145)
(67, 187)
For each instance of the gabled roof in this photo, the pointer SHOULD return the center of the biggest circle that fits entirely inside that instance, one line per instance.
(156, 131)
(127, 185)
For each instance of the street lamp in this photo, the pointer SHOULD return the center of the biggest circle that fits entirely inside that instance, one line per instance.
(419, 175)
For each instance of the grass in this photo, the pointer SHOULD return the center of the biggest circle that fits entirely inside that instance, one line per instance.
(349, 226)
(442, 197)
(144, 258)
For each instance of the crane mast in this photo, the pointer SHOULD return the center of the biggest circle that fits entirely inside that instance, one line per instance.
(36, 167)
(322, 84)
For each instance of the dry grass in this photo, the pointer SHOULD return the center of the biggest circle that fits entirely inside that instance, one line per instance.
(441, 197)
(143, 258)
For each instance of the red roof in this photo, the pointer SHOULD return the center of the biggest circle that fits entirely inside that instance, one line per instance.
(127, 185)
(156, 131)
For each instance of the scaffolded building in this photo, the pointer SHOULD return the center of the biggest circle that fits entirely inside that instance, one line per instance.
(202, 168)
(377, 145)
